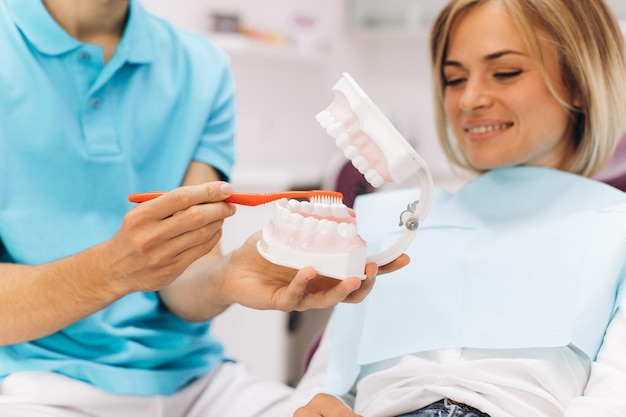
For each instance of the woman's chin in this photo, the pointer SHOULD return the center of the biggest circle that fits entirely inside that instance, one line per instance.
(487, 164)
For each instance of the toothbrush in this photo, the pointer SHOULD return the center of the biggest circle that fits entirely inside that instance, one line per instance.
(252, 199)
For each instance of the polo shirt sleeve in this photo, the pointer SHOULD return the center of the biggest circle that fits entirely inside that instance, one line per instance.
(4, 255)
(216, 146)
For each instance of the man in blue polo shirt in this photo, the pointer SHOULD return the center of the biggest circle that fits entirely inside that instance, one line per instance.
(105, 308)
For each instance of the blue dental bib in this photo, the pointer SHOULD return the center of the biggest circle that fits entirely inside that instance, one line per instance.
(521, 257)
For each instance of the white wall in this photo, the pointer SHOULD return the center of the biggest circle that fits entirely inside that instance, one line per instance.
(279, 93)
(191, 14)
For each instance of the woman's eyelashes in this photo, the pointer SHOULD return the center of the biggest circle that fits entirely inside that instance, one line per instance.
(453, 81)
(505, 75)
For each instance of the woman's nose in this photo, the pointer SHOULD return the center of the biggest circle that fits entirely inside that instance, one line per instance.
(475, 95)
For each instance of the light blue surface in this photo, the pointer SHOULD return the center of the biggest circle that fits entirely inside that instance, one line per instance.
(78, 136)
(519, 258)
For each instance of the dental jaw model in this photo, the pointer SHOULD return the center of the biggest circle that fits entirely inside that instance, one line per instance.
(322, 233)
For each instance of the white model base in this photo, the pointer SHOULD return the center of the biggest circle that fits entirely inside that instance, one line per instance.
(339, 266)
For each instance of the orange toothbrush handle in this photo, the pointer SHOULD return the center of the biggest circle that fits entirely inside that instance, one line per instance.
(253, 199)
(246, 199)
(250, 199)
(141, 197)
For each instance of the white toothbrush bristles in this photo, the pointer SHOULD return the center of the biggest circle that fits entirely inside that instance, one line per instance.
(326, 200)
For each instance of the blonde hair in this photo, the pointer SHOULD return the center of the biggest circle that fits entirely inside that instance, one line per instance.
(590, 49)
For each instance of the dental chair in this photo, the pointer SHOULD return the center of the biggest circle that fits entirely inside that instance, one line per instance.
(342, 176)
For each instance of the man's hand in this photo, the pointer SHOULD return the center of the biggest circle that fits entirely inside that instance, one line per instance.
(156, 242)
(252, 281)
(160, 238)
(324, 405)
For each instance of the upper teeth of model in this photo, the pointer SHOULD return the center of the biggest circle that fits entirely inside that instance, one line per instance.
(315, 217)
(344, 135)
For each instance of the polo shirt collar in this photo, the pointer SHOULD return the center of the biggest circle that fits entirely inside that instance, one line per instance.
(137, 44)
(42, 31)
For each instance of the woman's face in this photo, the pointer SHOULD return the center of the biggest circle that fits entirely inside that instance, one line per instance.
(496, 99)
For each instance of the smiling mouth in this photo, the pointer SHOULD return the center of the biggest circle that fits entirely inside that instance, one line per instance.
(477, 130)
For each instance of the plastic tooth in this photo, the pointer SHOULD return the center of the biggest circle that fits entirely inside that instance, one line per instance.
(321, 115)
(361, 164)
(374, 178)
(322, 210)
(351, 152)
(339, 210)
(306, 207)
(309, 224)
(281, 215)
(293, 205)
(343, 140)
(335, 129)
(324, 118)
(295, 221)
(329, 120)
(347, 230)
(279, 209)
(327, 227)
(342, 229)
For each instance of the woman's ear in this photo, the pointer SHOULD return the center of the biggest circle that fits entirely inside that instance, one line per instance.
(577, 102)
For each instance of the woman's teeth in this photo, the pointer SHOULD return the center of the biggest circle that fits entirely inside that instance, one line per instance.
(486, 129)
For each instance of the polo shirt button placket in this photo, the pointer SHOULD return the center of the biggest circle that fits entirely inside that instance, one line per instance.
(96, 103)
(83, 56)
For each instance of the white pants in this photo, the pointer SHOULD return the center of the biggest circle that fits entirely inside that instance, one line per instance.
(227, 391)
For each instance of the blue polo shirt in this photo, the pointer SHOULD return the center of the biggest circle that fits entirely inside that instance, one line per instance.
(76, 137)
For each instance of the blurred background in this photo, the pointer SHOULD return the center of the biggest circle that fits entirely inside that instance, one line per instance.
(286, 56)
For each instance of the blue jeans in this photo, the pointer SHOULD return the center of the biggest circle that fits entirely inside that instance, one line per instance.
(446, 408)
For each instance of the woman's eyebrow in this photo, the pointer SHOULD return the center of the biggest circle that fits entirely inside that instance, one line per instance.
(500, 54)
(487, 58)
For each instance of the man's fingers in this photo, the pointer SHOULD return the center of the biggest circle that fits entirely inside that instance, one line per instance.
(325, 292)
(182, 198)
(398, 263)
(295, 292)
(371, 270)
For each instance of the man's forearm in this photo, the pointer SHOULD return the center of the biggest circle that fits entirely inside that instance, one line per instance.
(36, 301)
(196, 295)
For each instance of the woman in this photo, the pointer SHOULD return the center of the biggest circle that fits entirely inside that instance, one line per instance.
(510, 306)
